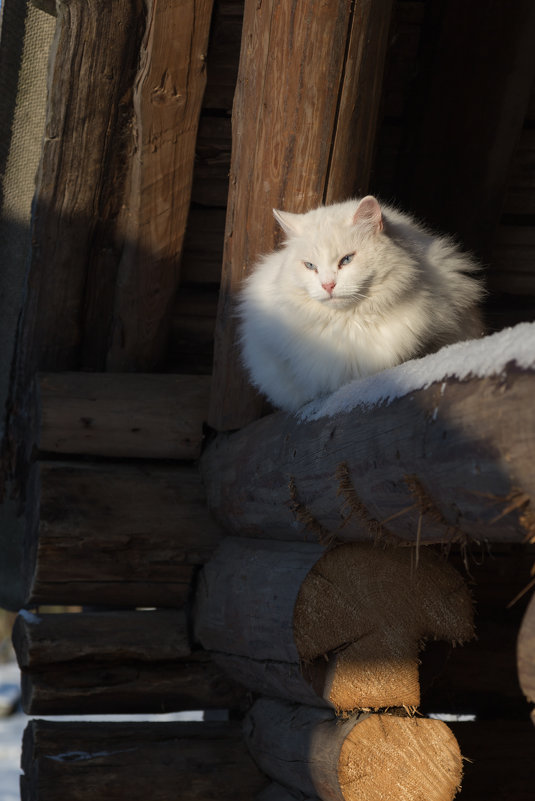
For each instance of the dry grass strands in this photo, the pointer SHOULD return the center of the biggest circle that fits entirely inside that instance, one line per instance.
(305, 516)
(356, 507)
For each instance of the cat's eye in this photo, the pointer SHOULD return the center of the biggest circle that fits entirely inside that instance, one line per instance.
(310, 266)
(346, 260)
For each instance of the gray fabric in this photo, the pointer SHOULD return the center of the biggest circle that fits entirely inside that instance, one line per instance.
(25, 38)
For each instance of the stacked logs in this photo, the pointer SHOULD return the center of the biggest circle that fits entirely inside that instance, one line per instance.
(329, 640)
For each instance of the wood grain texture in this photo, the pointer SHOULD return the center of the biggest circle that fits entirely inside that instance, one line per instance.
(296, 86)
(119, 535)
(526, 652)
(92, 65)
(372, 757)
(167, 99)
(343, 627)
(116, 663)
(138, 761)
(447, 462)
(148, 416)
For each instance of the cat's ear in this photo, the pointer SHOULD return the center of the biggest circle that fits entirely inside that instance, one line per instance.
(290, 223)
(368, 213)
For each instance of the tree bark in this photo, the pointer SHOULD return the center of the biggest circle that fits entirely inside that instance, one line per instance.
(147, 416)
(137, 761)
(373, 757)
(116, 662)
(452, 462)
(304, 120)
(342, 628)
(116, 534)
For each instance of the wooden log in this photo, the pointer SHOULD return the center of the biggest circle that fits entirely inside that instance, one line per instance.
(138, 761)
(276, 792)
(122, 414)
(115, 662)
(526, 652)
(373, 757)
(116, 534)
(342, 628)
(167, 101)
(299, 137)
(434, 464)
(81, 175)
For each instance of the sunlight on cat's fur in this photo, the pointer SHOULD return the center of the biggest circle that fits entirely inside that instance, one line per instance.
(355, 288)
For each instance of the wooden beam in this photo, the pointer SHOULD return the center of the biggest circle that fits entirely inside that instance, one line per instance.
(167, 99)
(450, 462)
(115, 662)
(138, 761)
(368, 757)
(342, 628)
(304, 121)
(116, 534)
(122, 414)
(93, 61)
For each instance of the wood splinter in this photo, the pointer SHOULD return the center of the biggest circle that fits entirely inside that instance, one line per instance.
(377, 757)
(342, 627)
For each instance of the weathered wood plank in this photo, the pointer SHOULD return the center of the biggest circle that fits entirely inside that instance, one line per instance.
(115, 662)
(167, 100)
(122, 414)
(438, 464)
(116, 535)
(342, 628)
(368, 757)
(283, 94)
(93, 62)
(83, 761)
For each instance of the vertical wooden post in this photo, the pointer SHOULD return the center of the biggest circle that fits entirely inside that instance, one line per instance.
(304, 120)
(167, 100)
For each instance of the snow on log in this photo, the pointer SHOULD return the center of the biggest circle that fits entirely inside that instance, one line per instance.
(341, 627)
(526, 653)
(438, 449)
(377, 757)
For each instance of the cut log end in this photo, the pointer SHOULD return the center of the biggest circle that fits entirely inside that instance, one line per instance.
(387, 757)
(361, 616)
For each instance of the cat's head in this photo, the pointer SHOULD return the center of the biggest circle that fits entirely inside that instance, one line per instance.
(333, 249)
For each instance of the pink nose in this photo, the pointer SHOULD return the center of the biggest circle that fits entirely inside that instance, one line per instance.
(329, 287)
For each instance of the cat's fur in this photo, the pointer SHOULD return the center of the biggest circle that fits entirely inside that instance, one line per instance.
(306, 330)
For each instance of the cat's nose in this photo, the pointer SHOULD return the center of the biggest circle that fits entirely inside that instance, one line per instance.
(328, 287)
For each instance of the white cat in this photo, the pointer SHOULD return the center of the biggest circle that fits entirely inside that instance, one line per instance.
(355, 288)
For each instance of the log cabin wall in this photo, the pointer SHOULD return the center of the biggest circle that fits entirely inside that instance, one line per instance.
(91, 490)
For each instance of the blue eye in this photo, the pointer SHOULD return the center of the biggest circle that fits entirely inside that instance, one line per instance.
(310, 266)
(346, 260)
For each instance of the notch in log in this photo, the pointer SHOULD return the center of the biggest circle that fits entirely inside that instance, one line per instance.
(341, 628)
(377, 757)
(116, 663)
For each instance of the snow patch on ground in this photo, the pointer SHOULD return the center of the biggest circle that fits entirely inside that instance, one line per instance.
(488, 356)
